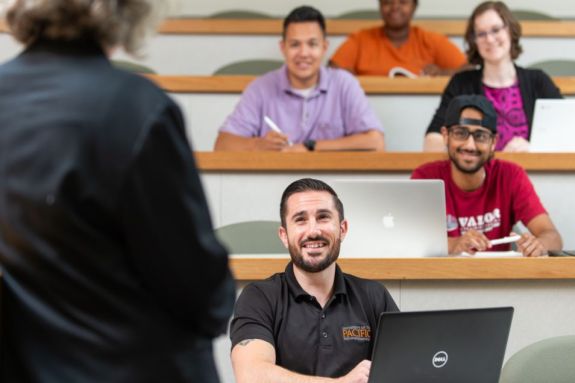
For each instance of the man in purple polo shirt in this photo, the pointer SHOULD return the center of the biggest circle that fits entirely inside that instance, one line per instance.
(311, 106)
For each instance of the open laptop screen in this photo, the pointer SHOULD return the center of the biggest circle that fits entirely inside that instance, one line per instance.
(452, 346)
(393, 218)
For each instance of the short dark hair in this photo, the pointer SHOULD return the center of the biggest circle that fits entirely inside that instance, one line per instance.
(304, 14)
(509, 21)
(414, 2)
(304, 185)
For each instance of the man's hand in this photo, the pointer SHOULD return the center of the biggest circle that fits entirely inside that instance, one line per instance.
(432, 70)
(517, 144)
(272, 141)
(295, 148)
(530, 246)
(359, 374)
(469, 242)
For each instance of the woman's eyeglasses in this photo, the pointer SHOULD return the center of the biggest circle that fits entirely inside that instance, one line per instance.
(482, 36)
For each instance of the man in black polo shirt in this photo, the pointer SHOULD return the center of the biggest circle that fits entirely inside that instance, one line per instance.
(311, 322)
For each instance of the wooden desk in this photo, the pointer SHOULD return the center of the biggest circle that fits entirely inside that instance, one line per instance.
(364, 162)
(451, 268)
(372, 85)
(450, 27)
(344, 27)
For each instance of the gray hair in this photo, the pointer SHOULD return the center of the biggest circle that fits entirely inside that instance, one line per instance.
(124, 23)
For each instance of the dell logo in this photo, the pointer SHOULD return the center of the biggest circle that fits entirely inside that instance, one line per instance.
(439, 359)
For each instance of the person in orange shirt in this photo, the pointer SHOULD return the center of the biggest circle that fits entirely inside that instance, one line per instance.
(376, 51)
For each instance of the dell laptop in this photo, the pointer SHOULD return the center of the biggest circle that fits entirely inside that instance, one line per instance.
(393, 218)
(452, 346)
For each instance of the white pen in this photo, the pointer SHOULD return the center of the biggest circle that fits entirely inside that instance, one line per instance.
(500, 241)
(269, 122)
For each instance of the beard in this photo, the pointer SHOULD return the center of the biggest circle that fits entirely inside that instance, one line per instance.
(299, 260)
(482, 157)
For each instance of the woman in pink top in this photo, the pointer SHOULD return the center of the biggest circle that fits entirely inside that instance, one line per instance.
(492, 38)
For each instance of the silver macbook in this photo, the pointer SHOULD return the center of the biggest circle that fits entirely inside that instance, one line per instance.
(553, 127)
(453, 346)
(393, 218)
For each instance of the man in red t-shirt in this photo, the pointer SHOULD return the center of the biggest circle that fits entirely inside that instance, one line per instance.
(485, 197)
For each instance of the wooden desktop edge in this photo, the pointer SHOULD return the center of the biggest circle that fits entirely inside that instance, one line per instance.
(372, 85)
(365, 162)
(246, 269)
(335, 27)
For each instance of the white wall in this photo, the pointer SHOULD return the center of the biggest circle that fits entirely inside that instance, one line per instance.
(429, 8)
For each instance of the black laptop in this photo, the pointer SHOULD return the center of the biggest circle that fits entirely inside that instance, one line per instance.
(453, 346)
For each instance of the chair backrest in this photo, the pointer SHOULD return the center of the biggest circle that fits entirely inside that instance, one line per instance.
(239, 14)
(252, 237)
(249, 67)
(551, 360)
(132, 67)
(556, 67)
(361, 14)
(528, 14)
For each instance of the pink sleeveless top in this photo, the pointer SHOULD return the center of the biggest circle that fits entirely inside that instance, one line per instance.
(511, 118)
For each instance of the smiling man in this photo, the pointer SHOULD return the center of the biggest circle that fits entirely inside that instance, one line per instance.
(376, 51)
(311, 323)
(485, 196)
(313, 107)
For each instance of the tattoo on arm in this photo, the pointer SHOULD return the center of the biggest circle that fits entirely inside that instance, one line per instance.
(245, 342)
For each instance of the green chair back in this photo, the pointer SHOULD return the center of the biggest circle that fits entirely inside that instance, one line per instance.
(551, 360)
(239, 14)
(252, 237)
(132, 67)
(556, 67)
(527, 14)
(361, 14)
(249, 67)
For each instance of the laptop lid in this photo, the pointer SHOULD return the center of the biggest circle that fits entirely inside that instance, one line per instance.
(452, 346)
(393, 218)
(553, 128)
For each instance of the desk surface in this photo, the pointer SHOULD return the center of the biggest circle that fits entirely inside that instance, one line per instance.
(372, 85)
(450, 27)
(342, 162)
(450, 268)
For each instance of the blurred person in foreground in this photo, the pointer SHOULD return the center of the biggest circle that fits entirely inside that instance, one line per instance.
(111, 269)
(492, 39)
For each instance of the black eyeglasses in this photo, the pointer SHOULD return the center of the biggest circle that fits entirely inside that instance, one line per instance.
(461, 133)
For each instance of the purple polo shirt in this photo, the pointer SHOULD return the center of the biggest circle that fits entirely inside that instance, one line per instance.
(337, 107)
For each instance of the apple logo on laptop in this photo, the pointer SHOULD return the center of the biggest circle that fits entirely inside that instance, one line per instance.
(388, 221)
(439, 359)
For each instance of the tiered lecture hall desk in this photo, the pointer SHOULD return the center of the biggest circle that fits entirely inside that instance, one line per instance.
(248, 186)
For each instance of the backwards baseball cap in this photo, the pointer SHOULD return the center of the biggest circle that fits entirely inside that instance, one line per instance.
(457, 104)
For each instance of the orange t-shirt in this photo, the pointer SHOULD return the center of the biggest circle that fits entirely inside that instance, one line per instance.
(370, 52)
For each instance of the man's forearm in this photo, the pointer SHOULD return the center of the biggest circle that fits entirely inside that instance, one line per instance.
(370, 140)
(264, 372)
(551, 240)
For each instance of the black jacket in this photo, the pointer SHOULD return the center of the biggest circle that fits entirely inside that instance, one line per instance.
(533, 84)
(112, 271)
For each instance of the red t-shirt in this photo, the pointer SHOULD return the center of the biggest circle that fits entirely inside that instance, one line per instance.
(506, 197)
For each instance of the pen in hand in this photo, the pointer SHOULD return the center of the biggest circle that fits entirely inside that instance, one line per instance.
(272, 125)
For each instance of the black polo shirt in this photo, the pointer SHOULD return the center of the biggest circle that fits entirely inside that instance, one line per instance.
(309, 340)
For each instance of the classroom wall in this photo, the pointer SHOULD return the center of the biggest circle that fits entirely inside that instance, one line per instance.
(427, 8)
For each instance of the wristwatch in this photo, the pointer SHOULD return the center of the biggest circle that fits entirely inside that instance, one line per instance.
(309, 145)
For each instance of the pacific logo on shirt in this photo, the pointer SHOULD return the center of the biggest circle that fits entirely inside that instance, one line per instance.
(357, 333)
(483, 223)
